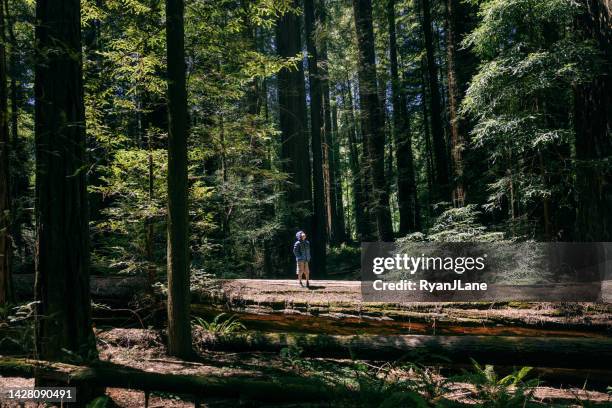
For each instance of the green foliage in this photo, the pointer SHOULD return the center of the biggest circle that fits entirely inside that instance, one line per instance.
(509, 391)
(461, 224)
(100, 402)
(20, 322)
(520, 100)
(292, 356)
(231, 181)
(344, 261)
(220, 325)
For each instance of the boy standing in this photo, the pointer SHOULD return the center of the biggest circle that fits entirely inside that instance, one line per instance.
(301, 250)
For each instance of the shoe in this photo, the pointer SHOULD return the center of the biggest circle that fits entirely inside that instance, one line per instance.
(307, 284)
(301, 284)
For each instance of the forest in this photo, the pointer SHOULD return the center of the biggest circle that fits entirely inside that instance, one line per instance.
(157, 158)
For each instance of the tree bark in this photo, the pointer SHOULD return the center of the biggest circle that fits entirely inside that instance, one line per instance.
(266, 389)
(244, 388)
(295, 156)
(319, 223)
(5, 207)
(457, 139)
(335, 212)
(404, 159)
(441, 176)
(362, 226)
(427, 137)
(371, 118)
(593, 144)
(179, 324)
(18, 181)
(62, 247)
(563, 352)
(338, 224)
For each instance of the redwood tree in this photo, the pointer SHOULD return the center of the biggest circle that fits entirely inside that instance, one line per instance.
(406, 185)
(319, 223)
(441, 173)
(62, 248)
(593, 144)
(371, 118)
(460, 67)
(294, 152)
(179, 324)
(333, 187)
(362, 226)
(5, 220)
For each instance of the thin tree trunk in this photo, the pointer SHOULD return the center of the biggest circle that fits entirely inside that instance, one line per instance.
(151, 270)
(371, 118)
(179, 324)
(319, 223)
(19, 177)
(545, 200)
(406, 184)
(441, 176)
(362, 227)
(427, 136)
(337, 233)
(258, 103)
(5, 208)
(336, 177)
(62, 249)
(457, 139)
(512, 199)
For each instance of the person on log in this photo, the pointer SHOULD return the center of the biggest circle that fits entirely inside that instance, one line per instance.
(301, 250)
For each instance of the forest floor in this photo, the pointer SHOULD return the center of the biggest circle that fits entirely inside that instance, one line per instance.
(144, 350)
(334, 307)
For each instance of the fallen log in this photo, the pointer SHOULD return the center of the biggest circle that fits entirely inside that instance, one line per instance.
(254, 388)
(557, 352)
(447, 322)
(337, 307)
(108, 288)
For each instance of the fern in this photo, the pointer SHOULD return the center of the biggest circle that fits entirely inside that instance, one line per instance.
(220, 325)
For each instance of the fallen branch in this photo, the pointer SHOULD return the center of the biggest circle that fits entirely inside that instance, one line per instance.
(264, 388)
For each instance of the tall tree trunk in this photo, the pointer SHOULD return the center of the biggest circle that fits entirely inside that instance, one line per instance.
(257, 106)
(404, 159)
(62, 249)
(335, 212)
(179, 324)
(5, 210)
(441, 176)
(19, 177)
(295, 154)
(149, 232)
(427, 137)
(336, 176)
(456, 136)
(593, 144)
(362, 226)
(371, 118)
(319, 223)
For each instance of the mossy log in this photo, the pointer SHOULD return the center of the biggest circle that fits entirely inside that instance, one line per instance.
(500, 350)
(254, 388)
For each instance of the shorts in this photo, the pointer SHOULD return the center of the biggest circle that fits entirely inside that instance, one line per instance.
(302, 269)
